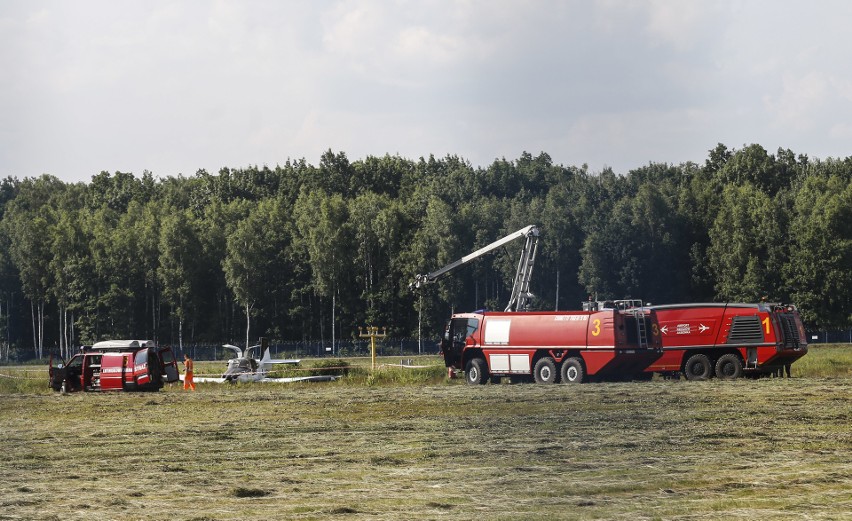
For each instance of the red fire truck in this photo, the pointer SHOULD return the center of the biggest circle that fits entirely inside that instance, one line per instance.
(728, 340)
(115, 365)
(606, 340)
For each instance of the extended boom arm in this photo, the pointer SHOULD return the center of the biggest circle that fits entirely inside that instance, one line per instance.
(521, 296)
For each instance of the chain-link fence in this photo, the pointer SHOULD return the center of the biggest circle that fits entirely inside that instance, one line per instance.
(319, 349)
(840, 336)
(345, 348)
(303, 349)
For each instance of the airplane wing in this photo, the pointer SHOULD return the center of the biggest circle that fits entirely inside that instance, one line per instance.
(299, 379)
(268, 380)
(206, 380)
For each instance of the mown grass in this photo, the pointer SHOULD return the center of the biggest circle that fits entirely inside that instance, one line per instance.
(357, 371)
(23, 379)
(665, 449)
(822, 361)
(825, 360)
(767, 449)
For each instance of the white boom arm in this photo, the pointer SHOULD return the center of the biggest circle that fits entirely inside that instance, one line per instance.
(521, 296)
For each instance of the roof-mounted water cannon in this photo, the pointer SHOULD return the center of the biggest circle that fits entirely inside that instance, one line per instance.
(521, 297)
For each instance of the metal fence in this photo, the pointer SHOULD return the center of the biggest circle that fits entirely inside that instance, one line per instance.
(345, 348)
(319, 349)
(305, 349)
(841, 336)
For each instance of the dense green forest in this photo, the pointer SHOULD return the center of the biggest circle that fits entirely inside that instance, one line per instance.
(300, 249)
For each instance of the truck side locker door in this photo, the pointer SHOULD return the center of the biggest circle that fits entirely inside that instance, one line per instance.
(112, 371)
(56, 372)
(125, 362)
(129, 380)
(128, 371)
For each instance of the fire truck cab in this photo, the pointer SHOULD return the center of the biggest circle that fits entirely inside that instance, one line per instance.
(115, 365)
(728, 340)
(610, 340)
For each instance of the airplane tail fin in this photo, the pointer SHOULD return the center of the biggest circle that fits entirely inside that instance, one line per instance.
(266, 361)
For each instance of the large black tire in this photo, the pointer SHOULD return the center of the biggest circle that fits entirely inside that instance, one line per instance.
(573, 371)
(697, 367)
(544, 371)
(476, 371)
(729, 367)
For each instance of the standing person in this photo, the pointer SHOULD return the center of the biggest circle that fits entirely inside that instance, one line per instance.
(188, 383)
(787, 369)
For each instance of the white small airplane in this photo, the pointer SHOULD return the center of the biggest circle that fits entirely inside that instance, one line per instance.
(244, 368)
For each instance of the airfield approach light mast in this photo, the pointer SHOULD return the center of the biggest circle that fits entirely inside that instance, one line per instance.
(373, 333)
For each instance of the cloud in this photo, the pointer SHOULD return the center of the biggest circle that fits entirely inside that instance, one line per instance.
(173, 87)
(683, 25)
(841, 131)
(800, 100)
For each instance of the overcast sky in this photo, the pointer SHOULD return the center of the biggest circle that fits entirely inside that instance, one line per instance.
(173, 87)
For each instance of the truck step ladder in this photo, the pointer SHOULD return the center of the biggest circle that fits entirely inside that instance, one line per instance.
(641, 329)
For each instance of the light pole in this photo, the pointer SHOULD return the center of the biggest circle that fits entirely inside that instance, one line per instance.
(373, 333)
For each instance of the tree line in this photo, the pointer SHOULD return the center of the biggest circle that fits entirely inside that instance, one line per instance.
(301, 252)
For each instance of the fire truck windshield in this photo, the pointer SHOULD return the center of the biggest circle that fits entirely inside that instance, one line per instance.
(461, 328)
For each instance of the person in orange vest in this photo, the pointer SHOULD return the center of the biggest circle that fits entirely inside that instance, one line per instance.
(188, 383)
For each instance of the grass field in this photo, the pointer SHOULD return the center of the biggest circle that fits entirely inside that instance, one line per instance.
(389, 447)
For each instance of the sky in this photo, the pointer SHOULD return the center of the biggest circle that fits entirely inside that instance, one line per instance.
(173, 87)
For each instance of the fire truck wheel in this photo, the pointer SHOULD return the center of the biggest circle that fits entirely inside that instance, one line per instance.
(697, 367)
(544, 371)
(729, 367)
(573, 371)
(476, 372)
